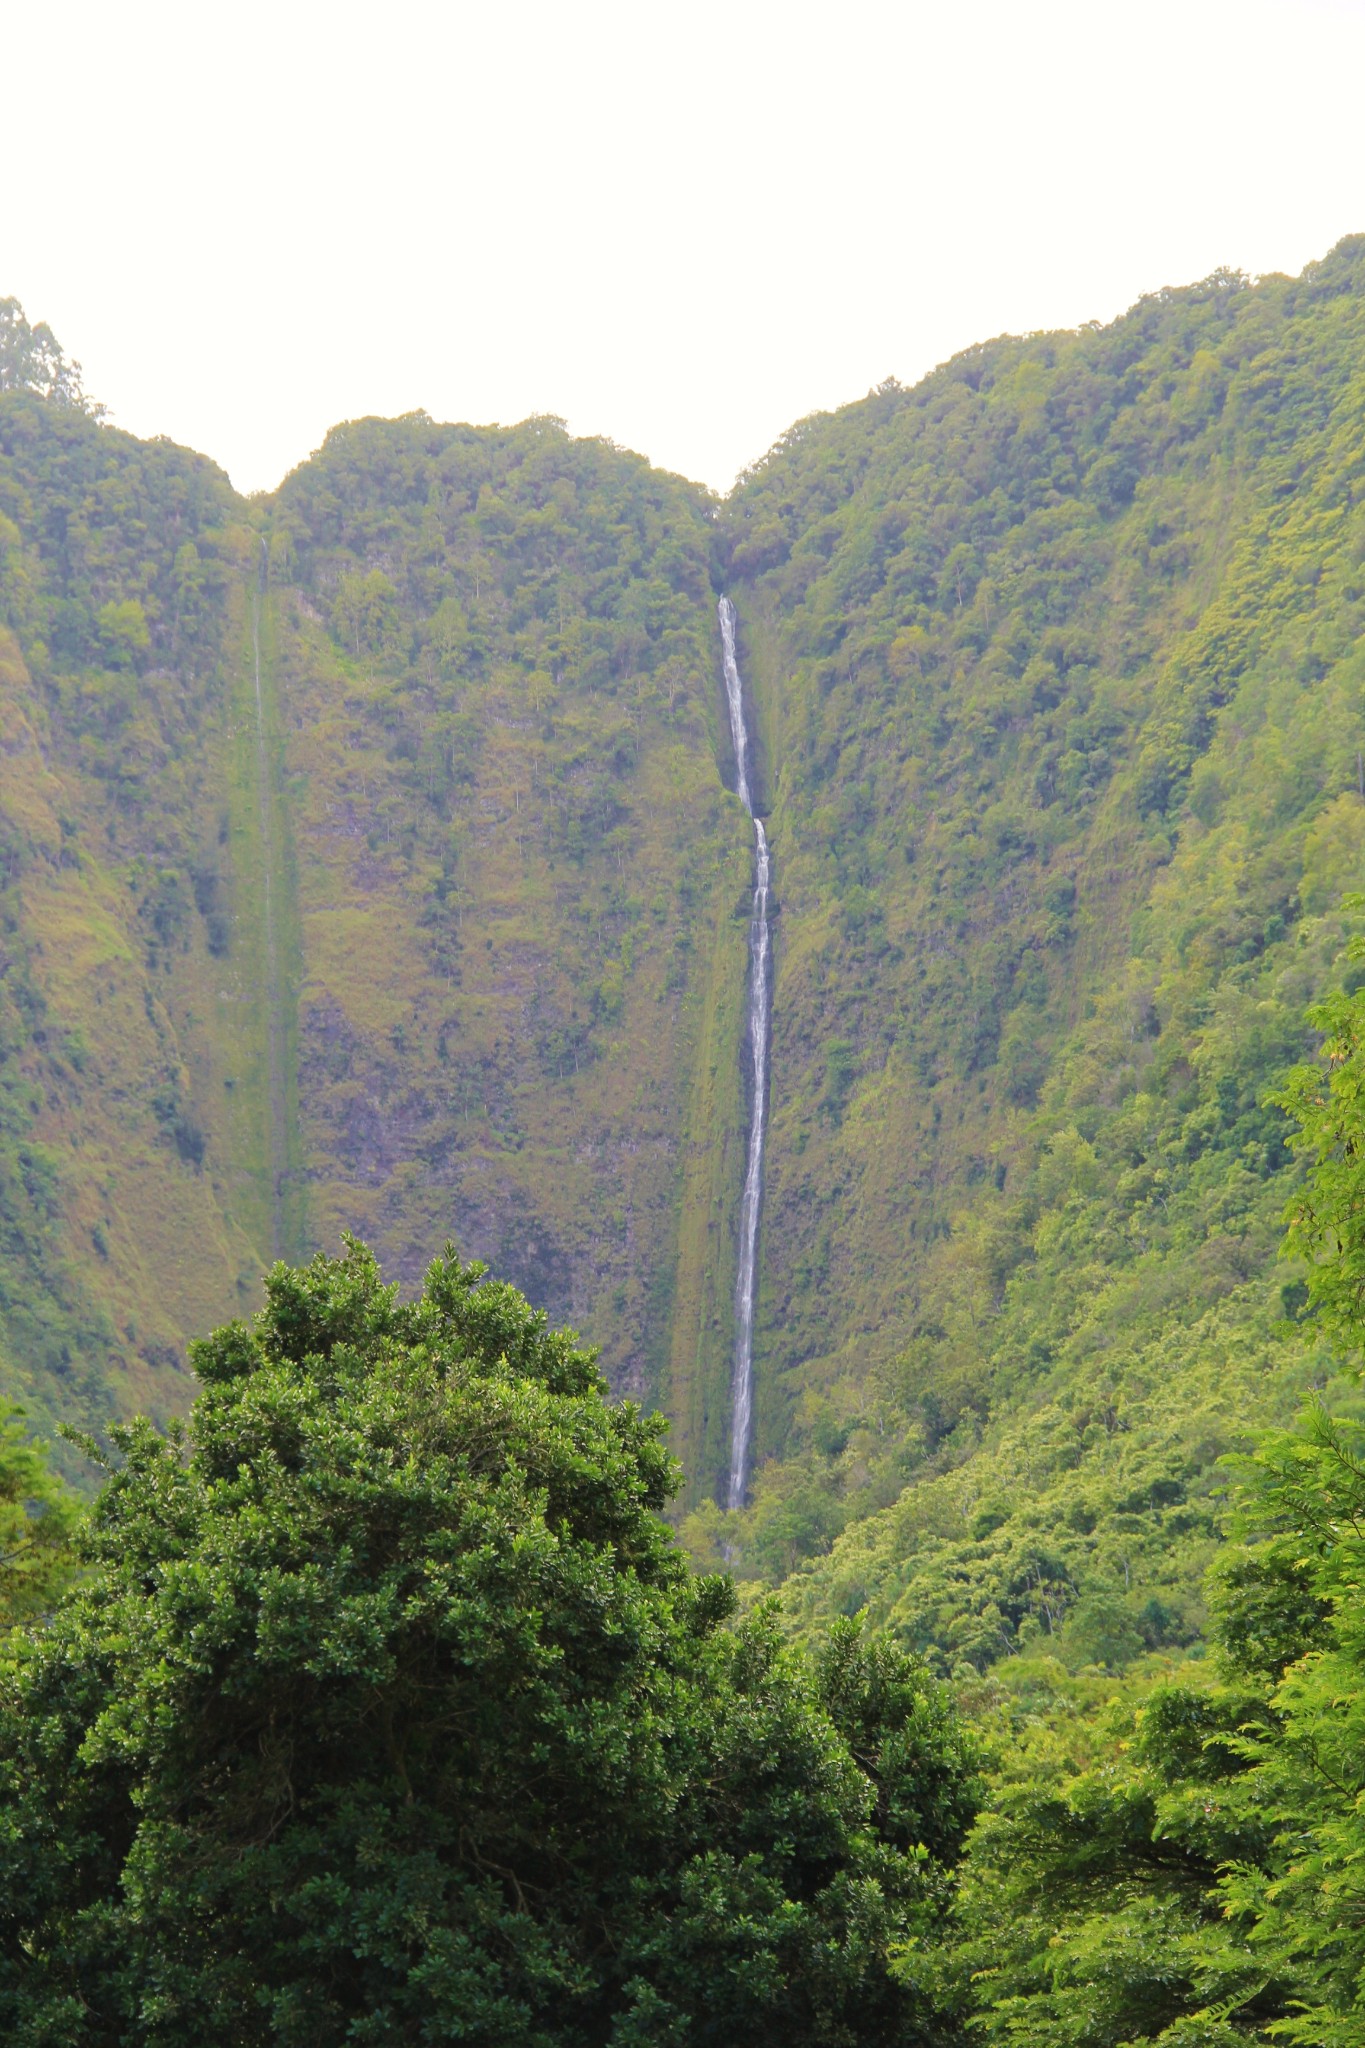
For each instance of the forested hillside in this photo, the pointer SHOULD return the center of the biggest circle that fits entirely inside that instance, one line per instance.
(1059, 661)
(130, 1158)
(369, 863)
(521, 972)
(377, 872)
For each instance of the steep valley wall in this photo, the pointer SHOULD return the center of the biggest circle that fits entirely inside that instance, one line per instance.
(420, 871)
(1055, 669)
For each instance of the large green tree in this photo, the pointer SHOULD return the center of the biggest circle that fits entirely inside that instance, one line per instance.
(389, 1711)
(32, 359)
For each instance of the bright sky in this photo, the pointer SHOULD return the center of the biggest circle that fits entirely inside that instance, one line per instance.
(681, 226)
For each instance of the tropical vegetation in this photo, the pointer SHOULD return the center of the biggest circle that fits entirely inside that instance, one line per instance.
(367, 866)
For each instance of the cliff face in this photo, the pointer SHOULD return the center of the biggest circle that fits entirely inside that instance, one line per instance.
(369, 864)
(126, 1175)
(519, 964)
(369, 867)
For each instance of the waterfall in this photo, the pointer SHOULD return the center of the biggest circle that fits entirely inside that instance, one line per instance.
(758, 1021)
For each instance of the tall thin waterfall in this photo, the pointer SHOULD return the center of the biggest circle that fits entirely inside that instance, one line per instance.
(758, 1030)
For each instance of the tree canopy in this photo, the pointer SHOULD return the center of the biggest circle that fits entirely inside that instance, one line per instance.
(389, 1710)
(32, 359)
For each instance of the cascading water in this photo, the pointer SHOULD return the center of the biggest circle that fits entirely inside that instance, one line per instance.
(757, 1027)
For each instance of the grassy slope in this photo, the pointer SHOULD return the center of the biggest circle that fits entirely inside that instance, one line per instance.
(973, 794)
(263, 1098)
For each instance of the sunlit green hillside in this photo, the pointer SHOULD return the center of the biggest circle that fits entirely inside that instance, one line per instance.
(131, 1155)
(369, 864)
(1060, 659)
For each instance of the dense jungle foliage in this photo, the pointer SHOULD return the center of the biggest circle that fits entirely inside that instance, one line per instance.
(368, 864)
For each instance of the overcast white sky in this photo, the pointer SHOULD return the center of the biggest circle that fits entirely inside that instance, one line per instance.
(682, 226)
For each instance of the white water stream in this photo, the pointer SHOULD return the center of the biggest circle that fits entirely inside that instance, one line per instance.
(758, 1026)
(277, 1099)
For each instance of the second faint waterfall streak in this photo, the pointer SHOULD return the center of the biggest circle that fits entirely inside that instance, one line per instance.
(758, 1024)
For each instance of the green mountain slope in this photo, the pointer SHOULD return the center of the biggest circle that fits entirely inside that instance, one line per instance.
(126, 1167)
(369, 865)
(1073, 608)
(521, 967)
(1061, 654)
